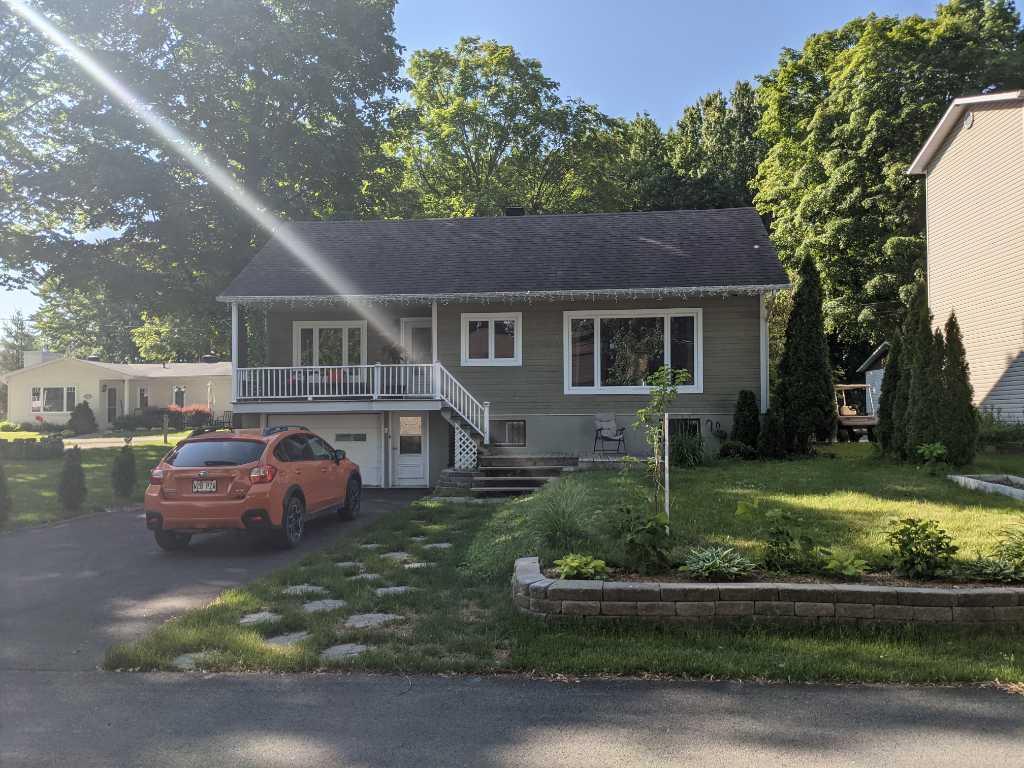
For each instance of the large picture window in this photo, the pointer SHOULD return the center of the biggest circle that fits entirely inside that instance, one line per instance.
(53, 399)
(616, 351)
(492, 339)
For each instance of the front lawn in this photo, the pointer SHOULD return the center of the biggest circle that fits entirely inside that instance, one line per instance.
(843, 503)
(20, 435)
(33, 484)
(459, 618)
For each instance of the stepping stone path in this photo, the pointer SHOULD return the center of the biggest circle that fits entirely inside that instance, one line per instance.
(304, 589)
(284, 641)
(384, 591)
(417, 539)
(396, 556)
(439, 545)
(352, 565)
(417, 566)
(321, 606)
(366, 620)
(371, 546)
(263, 617)
(188, 662)
(342, 652)
(364, 577)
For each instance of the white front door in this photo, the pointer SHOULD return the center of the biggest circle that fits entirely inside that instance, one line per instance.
(412, 449)
(418, 339)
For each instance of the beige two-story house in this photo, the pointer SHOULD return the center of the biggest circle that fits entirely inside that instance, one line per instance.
(414, 344)
(973, 169)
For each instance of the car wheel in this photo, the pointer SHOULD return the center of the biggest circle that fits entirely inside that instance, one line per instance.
(293, 522)
(353, 498)
(171, 541)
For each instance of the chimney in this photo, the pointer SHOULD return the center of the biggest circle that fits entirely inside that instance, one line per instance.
(515, 210)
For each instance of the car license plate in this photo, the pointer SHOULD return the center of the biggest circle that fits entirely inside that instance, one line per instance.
(204, 486)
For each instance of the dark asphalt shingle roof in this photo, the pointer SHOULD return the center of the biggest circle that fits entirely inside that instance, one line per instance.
(576, 252)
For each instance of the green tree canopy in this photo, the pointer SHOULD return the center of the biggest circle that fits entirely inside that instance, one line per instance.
(289, 95)
(843, 118)
(486, 129)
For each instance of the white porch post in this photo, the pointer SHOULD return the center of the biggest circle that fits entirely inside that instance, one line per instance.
(487, 423)
(234, 351)
(127, 397)
(763, 304)
(433, 330)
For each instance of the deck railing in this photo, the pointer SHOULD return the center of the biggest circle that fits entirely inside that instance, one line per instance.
(382, 381)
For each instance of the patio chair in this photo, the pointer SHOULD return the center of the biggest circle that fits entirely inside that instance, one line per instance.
(607, 430)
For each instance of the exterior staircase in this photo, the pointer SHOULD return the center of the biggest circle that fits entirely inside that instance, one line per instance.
(505, 475)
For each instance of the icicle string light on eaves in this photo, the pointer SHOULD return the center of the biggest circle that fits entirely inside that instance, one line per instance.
(504, 297)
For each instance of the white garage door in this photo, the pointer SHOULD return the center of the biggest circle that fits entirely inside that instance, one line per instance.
(358, 434)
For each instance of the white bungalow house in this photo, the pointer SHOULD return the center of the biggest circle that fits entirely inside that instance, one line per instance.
(49, 387)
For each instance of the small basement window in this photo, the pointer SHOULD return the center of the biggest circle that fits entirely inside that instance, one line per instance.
(509, 433)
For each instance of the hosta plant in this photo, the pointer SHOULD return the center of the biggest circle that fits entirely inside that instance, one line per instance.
(717, 564)
(574, 566)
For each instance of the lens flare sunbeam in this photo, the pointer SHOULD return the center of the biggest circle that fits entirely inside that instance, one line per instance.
(214, 173)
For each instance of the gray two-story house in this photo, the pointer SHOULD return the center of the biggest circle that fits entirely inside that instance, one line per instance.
(415, 344)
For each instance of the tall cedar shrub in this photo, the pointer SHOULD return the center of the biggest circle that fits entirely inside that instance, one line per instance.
(960, 417)
(916, 319)
(927, 394)
(806, 395)
(746, 421)
(5, 498)
(82, 421)
(71, 488)
(887, 399)
(122, 473)
(771, 441)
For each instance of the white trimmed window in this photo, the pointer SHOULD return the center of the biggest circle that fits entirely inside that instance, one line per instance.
(492, 338)
(329, 343)
(53, 399)
(615, 351)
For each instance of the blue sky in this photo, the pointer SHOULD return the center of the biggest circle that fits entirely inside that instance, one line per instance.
(626, 57)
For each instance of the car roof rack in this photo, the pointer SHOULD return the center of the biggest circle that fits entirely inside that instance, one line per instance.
(210, 428)
(267, 431)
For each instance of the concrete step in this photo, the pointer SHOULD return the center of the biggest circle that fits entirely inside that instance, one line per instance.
(504, 470)
(509, 482)
(492, 459)
(499, 491)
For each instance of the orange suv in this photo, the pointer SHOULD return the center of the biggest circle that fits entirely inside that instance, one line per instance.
(269, 481)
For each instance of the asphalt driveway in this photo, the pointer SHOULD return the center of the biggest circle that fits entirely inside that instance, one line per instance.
(69, 591)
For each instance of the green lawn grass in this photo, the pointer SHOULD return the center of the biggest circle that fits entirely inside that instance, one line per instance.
(33, 484)
(23, 435)
(458, 621)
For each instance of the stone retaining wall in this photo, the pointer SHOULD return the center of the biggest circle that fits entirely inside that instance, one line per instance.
(761, 602)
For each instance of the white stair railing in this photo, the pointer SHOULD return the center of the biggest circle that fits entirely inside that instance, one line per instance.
(451, 391)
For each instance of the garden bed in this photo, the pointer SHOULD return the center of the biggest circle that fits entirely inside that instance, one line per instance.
(1007, 485)
(765, 602)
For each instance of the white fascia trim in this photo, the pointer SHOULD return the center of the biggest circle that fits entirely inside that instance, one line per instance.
(512, 296)
(329, 407)
(763, 346)
(515, 361)
(696, 388)
(949, 119)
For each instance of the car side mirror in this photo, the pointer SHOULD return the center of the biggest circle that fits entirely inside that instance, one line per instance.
(339, 455)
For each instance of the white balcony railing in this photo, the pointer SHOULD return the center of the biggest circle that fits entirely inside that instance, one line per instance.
(383, 381)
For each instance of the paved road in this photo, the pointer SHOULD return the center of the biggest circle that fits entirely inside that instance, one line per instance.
(70, 591)
(99, 719)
